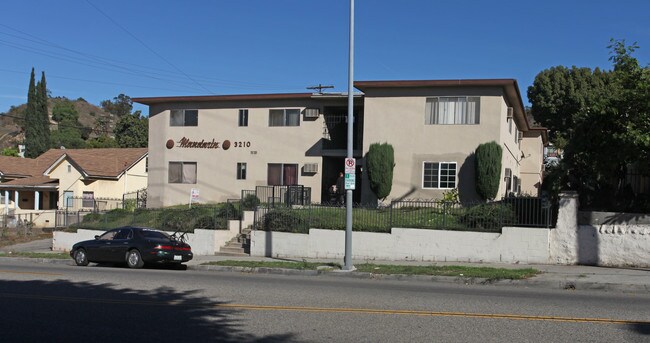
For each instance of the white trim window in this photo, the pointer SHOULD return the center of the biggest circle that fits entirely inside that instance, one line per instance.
(182, 172)
(463, 110)
(241, 170)
(184, 118)
(88, 199)
(284, 117)
(439, 175)
(243, 118)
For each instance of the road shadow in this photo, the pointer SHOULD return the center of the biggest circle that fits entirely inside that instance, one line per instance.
(643, 329)
(57, 311)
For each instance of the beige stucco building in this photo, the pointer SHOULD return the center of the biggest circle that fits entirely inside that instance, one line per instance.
(73, 179)
(221, 145)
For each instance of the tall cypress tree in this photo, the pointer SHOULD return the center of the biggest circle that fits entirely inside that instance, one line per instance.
(43, 117)
(32, 130)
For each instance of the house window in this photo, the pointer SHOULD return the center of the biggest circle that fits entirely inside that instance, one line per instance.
(440, 175)
(88, 199)
(285, 117)
(452, 110)
(282, 174)
(184, 118)
(67, 199)
(241, 171)
(182, 172)
(243, 117)
(69, 168)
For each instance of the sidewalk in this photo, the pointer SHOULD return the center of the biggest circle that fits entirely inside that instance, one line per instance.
(552, 277)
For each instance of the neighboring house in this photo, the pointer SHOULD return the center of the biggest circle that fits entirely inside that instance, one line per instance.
(221, 145)
(53, 179)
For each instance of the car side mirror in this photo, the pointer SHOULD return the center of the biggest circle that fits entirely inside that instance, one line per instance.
(96, 236)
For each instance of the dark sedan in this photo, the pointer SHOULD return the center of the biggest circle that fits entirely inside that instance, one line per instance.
(134, 246)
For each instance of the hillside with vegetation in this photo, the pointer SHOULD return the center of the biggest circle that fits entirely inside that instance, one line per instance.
(92, 119)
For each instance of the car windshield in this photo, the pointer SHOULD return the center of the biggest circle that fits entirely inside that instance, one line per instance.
(154, 234)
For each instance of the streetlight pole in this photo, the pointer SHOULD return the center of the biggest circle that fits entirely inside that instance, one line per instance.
(348, 196)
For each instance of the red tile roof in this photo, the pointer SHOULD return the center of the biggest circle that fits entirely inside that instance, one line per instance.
(94, 162)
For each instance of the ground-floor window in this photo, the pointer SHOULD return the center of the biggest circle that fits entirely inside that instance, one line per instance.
(88, 199)
(241, 171)
(281, 174)
(439, 175)
(182, 172)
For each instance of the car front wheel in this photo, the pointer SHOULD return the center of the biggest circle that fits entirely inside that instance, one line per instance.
(134, 260)
(80, 257)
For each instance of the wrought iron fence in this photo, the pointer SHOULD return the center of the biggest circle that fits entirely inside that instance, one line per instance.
(278, 195)
(133, 200)
(424, 214)
(92, 204)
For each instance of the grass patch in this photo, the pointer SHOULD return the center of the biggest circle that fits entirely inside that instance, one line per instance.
(275, 264)
(462, 271)
(477, 272)
(59, 256)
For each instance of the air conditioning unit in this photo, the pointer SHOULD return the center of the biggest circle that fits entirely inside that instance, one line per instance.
(510, 113)
(311, 113)
(310, 168)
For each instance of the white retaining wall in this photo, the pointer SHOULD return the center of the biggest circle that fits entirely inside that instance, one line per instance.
(203, 242)
(513, 245)
(604, 245)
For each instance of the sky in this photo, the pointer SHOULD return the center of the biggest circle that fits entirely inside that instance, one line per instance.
(97, 50)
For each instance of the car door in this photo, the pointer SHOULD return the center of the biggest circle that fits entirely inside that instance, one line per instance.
(99, 249)
(120, 245)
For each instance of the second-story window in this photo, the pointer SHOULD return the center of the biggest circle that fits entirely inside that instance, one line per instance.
(452, 110)
(184, 118)
(243, 117)
(284, 117)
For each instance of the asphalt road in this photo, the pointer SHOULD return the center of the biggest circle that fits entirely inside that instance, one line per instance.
(104, 303)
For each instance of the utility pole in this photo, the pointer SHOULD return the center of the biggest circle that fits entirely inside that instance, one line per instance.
(320, 88)
(348, 196)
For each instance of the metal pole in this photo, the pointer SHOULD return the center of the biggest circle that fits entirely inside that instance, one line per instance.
(348, 200)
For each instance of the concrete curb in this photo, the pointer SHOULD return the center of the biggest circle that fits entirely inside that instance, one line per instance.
(565, 284)
(529, 283)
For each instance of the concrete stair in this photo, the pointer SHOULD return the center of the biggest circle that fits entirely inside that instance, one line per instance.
(238, 246)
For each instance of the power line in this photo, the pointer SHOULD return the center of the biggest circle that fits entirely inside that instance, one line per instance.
(162, 72)
(148, 48)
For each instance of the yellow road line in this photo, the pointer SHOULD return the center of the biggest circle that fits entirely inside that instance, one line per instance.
(30, 273)
(436, 314)
(334, 310)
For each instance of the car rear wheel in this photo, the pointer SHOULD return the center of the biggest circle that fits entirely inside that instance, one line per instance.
(133, 259)
(80, 257)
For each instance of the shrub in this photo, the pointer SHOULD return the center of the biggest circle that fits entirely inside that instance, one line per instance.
(380, 161)
(284, 220)
(250, 202)
(488, 169)
(488, 217)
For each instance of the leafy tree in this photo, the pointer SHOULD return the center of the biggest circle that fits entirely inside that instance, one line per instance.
(103, 141)
(120, 106)
(34, 135)
(601, 119)
(488, 169)
(64, 110)
(68, 137)
(380, 161)
(132, 131)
